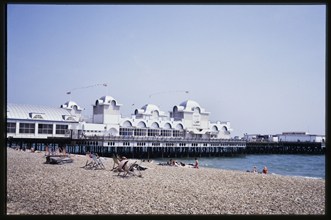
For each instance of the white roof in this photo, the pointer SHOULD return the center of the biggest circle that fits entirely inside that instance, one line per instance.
(25, 111)
(70, 105)
(189, 105)
(106, 100)
(148, 109)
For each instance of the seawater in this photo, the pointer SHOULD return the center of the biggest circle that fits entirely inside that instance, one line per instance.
(311, 166)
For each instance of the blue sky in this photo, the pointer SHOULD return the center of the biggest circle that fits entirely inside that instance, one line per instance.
(261, 67)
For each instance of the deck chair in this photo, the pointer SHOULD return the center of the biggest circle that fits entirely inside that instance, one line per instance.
(89, 161)
(116, 162)
(97, 162)
(128, 167)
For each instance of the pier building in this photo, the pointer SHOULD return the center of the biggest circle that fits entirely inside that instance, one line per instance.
(185, 129)
(186, 120)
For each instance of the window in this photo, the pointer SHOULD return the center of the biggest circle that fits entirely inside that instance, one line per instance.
(27, 128)
(45, 129)
(70, 118)
(139, 132)
(38, 117)
(166, 133)
(11, 127)
(61, 129)
(126, 131)
(178, 133)
(153, 132)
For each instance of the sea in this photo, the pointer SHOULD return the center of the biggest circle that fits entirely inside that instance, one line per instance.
(309, 166)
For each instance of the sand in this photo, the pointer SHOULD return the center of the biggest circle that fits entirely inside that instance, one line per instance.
(36, 188)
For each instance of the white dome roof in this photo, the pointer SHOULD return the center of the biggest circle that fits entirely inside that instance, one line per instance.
(189, 105)
(70, 105)
(149, 108)
(106, 100)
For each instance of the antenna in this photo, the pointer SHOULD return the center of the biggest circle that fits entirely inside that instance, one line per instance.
(86, 87)
(171, 91)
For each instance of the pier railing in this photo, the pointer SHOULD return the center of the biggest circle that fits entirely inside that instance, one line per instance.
(151, 147)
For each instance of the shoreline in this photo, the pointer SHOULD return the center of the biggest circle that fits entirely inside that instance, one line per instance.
(36, 188)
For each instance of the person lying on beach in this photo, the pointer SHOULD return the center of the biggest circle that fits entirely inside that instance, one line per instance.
(254, 170)
(182, 164)
(171, 162)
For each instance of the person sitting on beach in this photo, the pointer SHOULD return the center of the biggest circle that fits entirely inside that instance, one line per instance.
(47, 152)
(123, 165)
(265, 170)
(196, 164)
(254, 170)
(88, 157)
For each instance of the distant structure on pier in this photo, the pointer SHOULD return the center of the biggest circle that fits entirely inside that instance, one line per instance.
(285, 137)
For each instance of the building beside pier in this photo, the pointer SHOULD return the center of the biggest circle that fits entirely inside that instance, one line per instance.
(285, 137)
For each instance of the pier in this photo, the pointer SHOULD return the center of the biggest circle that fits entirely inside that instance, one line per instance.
(285, 148)
(154, 147)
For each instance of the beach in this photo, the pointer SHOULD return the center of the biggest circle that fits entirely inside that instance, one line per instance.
(36, 188)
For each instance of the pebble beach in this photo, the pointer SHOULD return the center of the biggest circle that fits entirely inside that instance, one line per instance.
(36, 188)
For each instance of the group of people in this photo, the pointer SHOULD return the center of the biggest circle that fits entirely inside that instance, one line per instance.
(122, 163)
(172, 162)
(254, 170)
(49, 151)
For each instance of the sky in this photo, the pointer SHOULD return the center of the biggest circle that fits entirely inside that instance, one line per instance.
(260, 67)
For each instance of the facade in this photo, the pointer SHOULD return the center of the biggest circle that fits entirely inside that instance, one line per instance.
(188, 120)
(285, 137)
(300, 137)
(29, 121)
(257, 137)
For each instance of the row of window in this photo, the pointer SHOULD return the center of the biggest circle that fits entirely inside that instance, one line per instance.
(29, 128)
(151, 132)
(95, 131)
